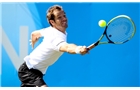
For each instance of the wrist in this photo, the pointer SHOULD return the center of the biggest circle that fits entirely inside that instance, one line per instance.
(77, 49)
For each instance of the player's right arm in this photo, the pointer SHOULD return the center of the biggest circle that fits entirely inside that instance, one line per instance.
(73, 49)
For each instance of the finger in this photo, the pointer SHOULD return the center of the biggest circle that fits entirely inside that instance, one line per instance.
(85, 48)
(87, 51)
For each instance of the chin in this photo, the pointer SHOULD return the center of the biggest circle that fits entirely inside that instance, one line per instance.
(66, 26)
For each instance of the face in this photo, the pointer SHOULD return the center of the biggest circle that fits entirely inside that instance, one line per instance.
(60, 21)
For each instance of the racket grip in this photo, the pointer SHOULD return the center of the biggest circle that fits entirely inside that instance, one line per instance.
(92, 46)
(96, 43)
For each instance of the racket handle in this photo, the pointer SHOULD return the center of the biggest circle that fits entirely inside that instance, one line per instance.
(92, 45)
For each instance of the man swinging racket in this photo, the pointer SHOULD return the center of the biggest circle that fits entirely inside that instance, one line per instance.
(49, 50)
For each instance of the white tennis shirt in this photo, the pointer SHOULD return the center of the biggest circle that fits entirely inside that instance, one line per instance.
(47, 52)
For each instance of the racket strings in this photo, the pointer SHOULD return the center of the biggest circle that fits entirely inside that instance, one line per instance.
(120, 30)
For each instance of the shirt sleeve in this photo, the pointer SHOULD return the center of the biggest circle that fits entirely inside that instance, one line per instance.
(57, 43)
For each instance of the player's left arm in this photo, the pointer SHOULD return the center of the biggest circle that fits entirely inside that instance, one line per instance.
(35, 35)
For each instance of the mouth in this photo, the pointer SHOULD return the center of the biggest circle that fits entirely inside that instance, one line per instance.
(64, 23)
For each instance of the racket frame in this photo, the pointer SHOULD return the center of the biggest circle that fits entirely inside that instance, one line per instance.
(104, 33)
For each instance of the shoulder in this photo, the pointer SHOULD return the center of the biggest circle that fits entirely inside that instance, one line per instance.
(49, 28)
(46, 30)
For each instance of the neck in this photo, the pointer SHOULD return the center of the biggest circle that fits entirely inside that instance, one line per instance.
(61, 30)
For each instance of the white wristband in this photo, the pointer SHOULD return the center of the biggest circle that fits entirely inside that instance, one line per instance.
(77, 50)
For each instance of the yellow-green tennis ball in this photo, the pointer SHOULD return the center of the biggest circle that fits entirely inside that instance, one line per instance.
(102, 23)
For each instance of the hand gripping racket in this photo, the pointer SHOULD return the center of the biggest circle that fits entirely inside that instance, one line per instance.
(119, 30)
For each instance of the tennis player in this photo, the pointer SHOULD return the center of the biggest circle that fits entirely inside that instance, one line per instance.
(51, 48)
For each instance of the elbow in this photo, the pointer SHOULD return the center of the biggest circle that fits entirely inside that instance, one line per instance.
(35, 35)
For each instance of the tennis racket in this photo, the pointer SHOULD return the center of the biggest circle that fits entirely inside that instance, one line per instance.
(118, 30)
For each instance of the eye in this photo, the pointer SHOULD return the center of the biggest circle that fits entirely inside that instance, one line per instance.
(64, 15)
(59, 17)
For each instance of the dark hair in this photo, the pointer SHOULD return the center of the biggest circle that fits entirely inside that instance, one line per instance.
(50, 14)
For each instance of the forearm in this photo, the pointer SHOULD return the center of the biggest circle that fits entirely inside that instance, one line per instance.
(72, 48)
(34, 37)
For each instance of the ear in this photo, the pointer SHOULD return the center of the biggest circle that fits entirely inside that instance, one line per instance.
(52, 22)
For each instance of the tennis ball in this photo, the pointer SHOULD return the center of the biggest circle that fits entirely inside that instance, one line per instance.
(102, 23)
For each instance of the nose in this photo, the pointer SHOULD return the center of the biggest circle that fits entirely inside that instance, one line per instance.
(64, 18)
